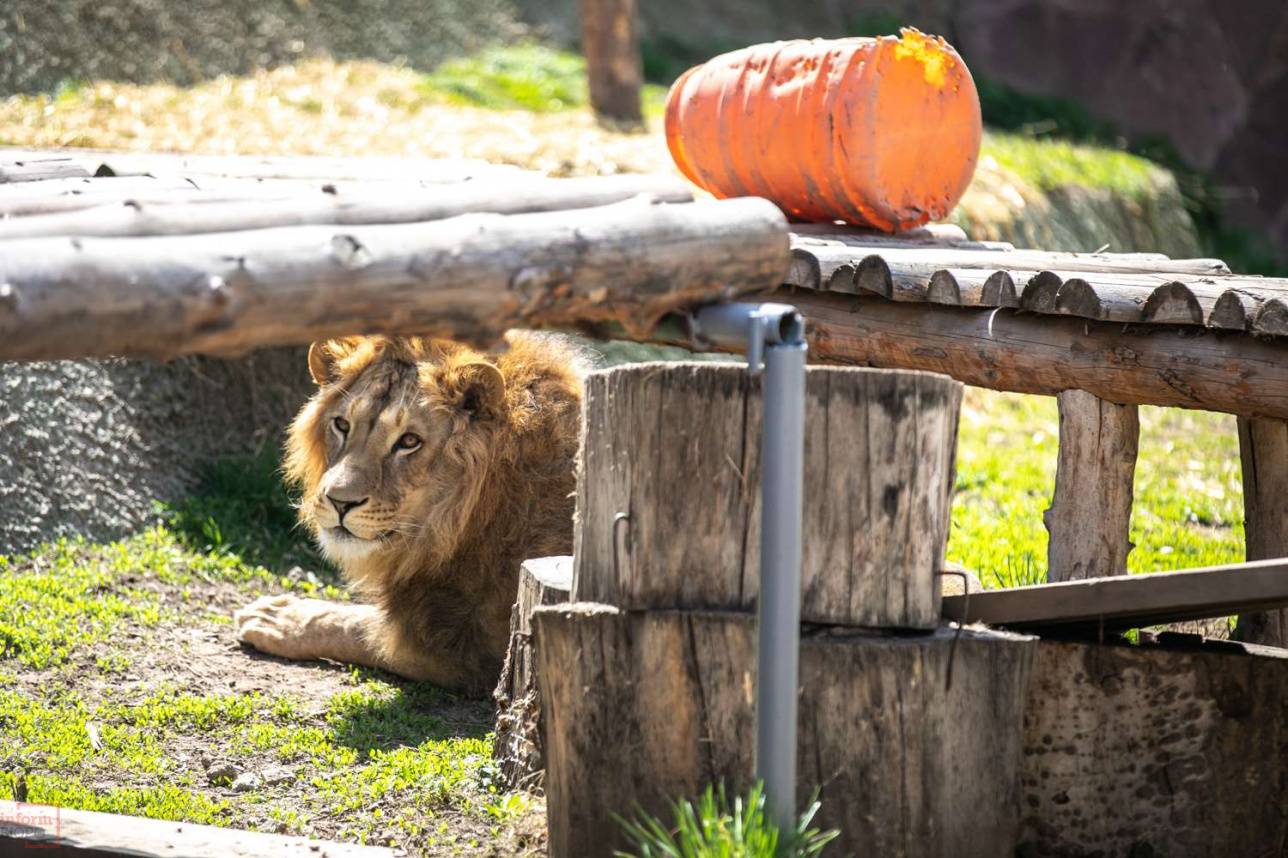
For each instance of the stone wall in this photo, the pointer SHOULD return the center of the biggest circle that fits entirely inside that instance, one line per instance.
(87, 446)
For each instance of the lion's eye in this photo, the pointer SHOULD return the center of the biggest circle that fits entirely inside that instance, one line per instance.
(341, 425)
(407, 441)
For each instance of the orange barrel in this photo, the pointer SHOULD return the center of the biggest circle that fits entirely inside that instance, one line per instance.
(876, 132)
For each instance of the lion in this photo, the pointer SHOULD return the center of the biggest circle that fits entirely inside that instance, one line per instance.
(429, 472)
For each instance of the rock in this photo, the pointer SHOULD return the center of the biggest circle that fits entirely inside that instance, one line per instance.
(276, 775)
(247, 782)
(222, 774)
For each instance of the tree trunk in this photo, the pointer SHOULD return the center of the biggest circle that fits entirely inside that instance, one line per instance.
(646, 707)
(470, 278)
(1090, 515)
(612, 58)
(1263, 448)
(668, 493)
(518, 746)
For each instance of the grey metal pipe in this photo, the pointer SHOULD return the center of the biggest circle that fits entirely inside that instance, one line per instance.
(778, 332)
(779, 605)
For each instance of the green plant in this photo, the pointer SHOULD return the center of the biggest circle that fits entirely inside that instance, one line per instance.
(714, 828)
(242, 507)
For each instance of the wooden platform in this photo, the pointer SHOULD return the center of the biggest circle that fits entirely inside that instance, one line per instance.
(939, 265)
(1128, 601)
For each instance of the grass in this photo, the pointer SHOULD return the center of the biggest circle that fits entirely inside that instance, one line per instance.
(1188, 507)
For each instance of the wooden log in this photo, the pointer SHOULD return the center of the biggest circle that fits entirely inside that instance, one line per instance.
(645, 707)
(1099, 605)
(107, 162)
(58, 832)
(394, 205)
(470, 277)
(1090, 515)
(613, 65)
(517, 745)
(1005, 349)
(1141, 750)
(668, 491)
(1263, 450)
(39, 168)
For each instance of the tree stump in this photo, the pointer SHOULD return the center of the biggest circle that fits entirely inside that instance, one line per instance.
(1089, 520)
(668, 491)
(517, 746)
(1143, 750)
(1263, 448)
(613, 63)
(642, 707)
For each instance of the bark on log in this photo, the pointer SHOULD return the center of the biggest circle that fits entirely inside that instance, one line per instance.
(366, 206)
(518, 746)
(1263, 448)
(1010, 350)
(469, 277)
(644, 707)
(613, 63)
(676, 448)
(1090, 515)
(1133, 751)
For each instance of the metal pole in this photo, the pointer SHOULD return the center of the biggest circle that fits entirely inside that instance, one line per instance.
(778, 638)
(777, 332)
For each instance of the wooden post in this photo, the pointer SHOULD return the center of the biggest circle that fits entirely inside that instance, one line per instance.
(643, 707)
(1090, 515)
(1263, 449)
(612, 58)
(518, 745)
(668, 491)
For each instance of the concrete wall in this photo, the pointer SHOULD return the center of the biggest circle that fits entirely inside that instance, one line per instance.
(87, 446)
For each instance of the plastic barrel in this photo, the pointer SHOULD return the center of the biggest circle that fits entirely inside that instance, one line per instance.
(880, 132)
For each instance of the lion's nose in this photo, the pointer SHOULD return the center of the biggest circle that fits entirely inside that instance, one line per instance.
(343, 506)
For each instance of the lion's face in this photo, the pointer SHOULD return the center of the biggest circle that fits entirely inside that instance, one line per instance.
(392, 448)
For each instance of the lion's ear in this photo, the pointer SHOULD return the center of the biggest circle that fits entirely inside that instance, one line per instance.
(323, 356)
(482, 388)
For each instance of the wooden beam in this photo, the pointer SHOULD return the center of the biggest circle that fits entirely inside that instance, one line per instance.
(1012, 350)
(367, 205)
(1090, 515)
(613, 64)
(1263, 448)
(470, 277)
(1129, 601)
(55, 832)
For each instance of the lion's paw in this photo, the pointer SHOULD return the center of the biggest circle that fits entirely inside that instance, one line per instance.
(279, 625)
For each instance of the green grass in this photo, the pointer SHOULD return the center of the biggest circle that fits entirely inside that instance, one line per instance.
(1050, 164)
(716, 827)
(523, 77)
(1188, 495)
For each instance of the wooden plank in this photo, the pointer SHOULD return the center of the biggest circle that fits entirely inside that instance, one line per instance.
(642, 707)
(38, 169)
(517, 745)
(469, 277)
(1263, 450)
(1090, 514)
(669, 506)
(31, 829)
(1129, 601)
(1004, 349)
(392, 205)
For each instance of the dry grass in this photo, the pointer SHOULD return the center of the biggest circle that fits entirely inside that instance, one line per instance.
(323, 107)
